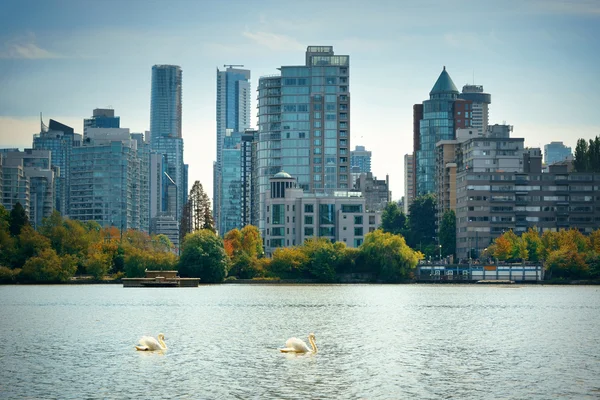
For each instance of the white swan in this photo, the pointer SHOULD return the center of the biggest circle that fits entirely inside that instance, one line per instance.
(295, 345)
(148, 343)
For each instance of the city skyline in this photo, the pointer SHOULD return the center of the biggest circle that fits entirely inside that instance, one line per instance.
(533, 57)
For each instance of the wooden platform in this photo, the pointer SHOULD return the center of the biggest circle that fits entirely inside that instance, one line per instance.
(161, 279)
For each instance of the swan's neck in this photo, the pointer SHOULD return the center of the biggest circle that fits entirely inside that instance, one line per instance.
(313, 344)
(162, 343)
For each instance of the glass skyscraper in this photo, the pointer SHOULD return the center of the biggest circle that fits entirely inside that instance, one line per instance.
(231, 183)
(233, 115)
(437, 124)
(165, 131)
(304, 124)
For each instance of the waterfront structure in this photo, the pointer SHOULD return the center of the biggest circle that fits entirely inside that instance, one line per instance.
(294, 215)
(165, 133)
(232, 113)
(478, 113)
(60, 139)
(409, 182)
(304, 124)
(556, 152)
(490, 203)
(109, 180)
(376, 192)
(361, 158)
(31, 179)
(101, 118)
(436, 124)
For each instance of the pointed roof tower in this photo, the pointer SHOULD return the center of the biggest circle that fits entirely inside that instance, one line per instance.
(444, 84)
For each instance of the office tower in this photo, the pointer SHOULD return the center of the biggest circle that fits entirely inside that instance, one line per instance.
(60, 139)
(101, 118)
(555, 152)
(304, 124)
(230, 216)
(437, 124)
(479, 112)
(409, 188)
(249, 203)
(165, 132)
(233, 114)
(108, 182)
(361, 158)
(37, 195)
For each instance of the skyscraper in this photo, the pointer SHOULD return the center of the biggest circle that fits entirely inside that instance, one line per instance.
(361, 158)
(479, 114)
(233, 115)
(304, 124)
(555, 152)
(165, 132)
(231, 183)
(409, 188)
(437, 124)
(101, 118)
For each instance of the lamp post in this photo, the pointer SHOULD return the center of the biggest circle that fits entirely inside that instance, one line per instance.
(440, 252)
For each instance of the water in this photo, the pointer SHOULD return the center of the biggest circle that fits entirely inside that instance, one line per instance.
(375, 342)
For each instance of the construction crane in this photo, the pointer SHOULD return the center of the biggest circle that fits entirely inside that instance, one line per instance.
(232, 65)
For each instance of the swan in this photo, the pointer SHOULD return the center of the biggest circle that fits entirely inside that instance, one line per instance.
(295, 345)
(148, 343)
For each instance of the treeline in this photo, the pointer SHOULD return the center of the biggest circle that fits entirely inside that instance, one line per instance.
(383, 257)
(62, 248)
(566, 254)
(587, 155)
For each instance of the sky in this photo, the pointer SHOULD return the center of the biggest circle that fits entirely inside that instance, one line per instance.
(537, 58)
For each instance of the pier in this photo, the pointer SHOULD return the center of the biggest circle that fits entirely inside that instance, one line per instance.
(161, 279)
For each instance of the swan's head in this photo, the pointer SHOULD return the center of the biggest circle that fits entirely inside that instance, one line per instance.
(312, 336)
(161, 336)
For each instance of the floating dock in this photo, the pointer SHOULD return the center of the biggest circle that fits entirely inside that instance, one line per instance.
(161, 279)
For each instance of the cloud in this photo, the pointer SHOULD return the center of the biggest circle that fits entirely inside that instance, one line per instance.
(590, 8)
(274, 41)
(25, 47)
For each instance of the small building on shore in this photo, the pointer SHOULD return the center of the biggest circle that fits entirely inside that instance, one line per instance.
(161, 279)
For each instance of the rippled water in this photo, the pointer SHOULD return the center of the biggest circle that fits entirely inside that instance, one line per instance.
(375, 342)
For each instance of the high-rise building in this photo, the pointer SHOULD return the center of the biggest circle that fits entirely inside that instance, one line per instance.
(437, 124)
(165, 132)
(556, 152)
(361, 158)
(248, 159)
(230, 216)
(109, 180)
(409, 188)
(304, 124)
(233, 115)
(60, 139)
(101, 118)
(35, 166)
(479, 112)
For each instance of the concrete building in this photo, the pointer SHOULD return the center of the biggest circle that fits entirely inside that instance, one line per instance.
(376, 192)
(165, 224)
(556, 152)
(36, 168)
(479, 111)
(233, 114)
(109, 180)
(491, 203)
(294, 216)
(409, 183)
(15, 184)
(304, 124)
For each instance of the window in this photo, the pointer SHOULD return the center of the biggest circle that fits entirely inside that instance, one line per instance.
(309, 231)
(371, 220)
(277, 231)
(308, 219)
(358, 220)
(278, 214)
(357, 242)
(276, 242)
(326, 214)
(327, 231)
(358, 231)
(309, 208)
(351, 208)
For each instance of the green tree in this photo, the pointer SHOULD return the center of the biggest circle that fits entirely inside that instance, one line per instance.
(534, 244)
(422, 222)
(252, 241)
(322, 258)
(289, 263)
(204, 257)
(47, 266)
(98, 264)
(393, 220)
(580, 158)
(18, 219)
(448, 233)
(30, 243)
(391, 259)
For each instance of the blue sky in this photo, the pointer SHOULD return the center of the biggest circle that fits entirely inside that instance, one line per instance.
(538, 59)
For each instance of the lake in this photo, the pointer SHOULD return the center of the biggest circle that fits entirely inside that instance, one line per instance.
(375, 342)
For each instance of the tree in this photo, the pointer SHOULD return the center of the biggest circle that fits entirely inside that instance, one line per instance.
(448, 233)
(289, 263)
(252, 241)
(393, 220)
(389, 256)
(47, 266)
(534, 245)
(203, 256)
(502, 249)
(18, 219)
(322, 258)
(233, 242)
(422, 221)
(197, 213)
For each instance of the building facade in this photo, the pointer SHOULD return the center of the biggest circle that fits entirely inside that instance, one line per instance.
(304, 124)
(101, 118)
(361, 158)
(249, 204)
(437, 124)
(556, 152)
(409, 182)
(294, 216)
(478, 113)
(233, 113)
(231, 183)
(376, 192)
